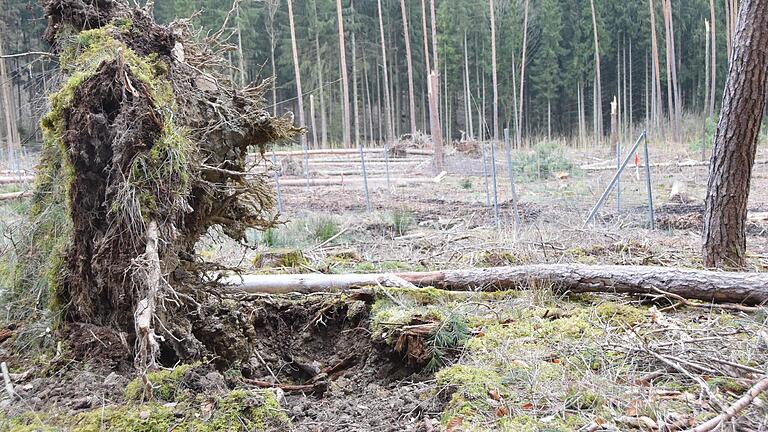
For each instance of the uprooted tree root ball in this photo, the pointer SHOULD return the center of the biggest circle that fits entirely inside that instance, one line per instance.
(146, 149)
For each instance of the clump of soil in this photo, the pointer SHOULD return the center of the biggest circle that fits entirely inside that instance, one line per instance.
(145, 132)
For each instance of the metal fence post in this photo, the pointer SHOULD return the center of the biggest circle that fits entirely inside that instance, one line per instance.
(651, 212)
(386, 163)
(365, 178)
(277, 183)
(495, 192)
(511, 174)
(485, 177)
(618, 180)
(615, 178)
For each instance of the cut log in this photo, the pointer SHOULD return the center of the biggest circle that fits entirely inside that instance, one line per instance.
(311, 283)
(710, 286)
(7, 180)
(605, 166)
(327, 152)
(14, 195)
(403, 181)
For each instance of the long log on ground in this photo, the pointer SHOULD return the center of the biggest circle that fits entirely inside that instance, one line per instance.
(6, 180)
(326, 152)
(403, 181)
(605, 166)
(14, 195)
(710, 286)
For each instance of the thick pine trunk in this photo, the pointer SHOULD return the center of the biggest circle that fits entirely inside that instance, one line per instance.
(735, 144)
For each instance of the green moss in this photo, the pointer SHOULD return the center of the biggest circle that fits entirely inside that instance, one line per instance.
(497, 258)
(728, 384)
(151, 417)
(166, 384)
(280, 258)
(620, 314)
(238, 410)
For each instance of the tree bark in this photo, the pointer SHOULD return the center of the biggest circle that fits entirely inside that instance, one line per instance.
(409, 60)
(347, 124)
(743, 288)
(733, 154)
(713, 61)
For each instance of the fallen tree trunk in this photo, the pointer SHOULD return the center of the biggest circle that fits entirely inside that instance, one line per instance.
(326, 152)
(710, 286)
(14, 195)
(10, 180)
(356, 180)
(684, 164)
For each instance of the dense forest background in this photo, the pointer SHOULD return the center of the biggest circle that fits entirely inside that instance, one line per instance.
(559, 63)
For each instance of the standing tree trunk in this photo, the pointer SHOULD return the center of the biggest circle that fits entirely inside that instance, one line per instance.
(436, 65)
(598, 82)
(347, 133)
(272, 6)
(713, 62)
(387, 104)
(426, 58)
(355, 101)
(11, 133)
(736, 140)
(656, 105)
(522, 76)
(493, 73)
(468, 92)
(437, 138)
(297, 70)
(411, 98)
(706, 67)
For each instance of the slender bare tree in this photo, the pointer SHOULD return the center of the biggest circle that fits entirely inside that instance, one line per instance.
(656, 90)
(733, 154)
(272, 6)
(347, 130)
(598, 81)
(297, 71)
(522, 74)
(11, 133)
(409, 61)
(389, 136)
(493, 72)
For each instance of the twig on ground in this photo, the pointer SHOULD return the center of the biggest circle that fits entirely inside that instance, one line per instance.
(730, 412)
(7, 378)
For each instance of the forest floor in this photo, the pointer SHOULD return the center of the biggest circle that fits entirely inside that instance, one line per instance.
(428, 360)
